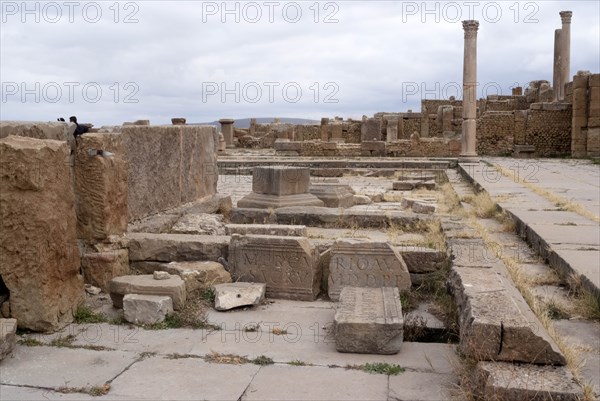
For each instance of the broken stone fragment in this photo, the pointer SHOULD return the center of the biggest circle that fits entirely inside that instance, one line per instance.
(8, 336)
(146, 309)
(234, 295)
(159, 275)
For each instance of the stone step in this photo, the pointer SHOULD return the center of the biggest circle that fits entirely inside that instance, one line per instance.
(496, 324)
(226, 162)
(329, 217)
(267, 229)
(176, 247)
(369, 321)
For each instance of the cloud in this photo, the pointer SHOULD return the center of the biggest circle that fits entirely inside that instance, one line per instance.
(162, 59)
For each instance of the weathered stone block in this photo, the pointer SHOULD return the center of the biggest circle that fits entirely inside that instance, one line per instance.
(423, 207)
(365, 264)
(289, 266)
(8, 337)
(334, 195)
(362, 200)
(169, 166)
(508, 382)
(234, 295)
(38, 240)
(496, 323)
(407, 185)
(424, 260)
(267, 229)
(101, 267)
(58, 131)
(101, 186)
(369, 321)
(174, 287)
(176, 247)
(593, 142)
(371, 130)
(200, 224)
(280, 180)
(198, 275)
(146, 309)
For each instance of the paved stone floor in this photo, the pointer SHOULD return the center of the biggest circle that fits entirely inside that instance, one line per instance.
(167, 364)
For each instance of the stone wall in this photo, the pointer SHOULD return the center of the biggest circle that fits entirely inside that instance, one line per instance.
(169, 166)
(36, 129)
(585, 140)
(495, 133)
(425, 147)
(38, 239)
(548, 128)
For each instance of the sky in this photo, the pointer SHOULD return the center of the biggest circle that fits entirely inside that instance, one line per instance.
(114, 61)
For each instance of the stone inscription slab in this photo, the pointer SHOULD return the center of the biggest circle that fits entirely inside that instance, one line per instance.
(365, 264)
(369, 320)
(289, 266)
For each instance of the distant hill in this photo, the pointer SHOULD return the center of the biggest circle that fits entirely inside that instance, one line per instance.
(245, 122)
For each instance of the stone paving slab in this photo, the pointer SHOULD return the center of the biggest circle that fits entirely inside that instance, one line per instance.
(136, 339)
(574, 179)
(53, 367)
(547, 230)
(279, 383)
(159, 378)
(292, 315)
(320, 350)
(19, 393)
(419, 386)
(507, 381)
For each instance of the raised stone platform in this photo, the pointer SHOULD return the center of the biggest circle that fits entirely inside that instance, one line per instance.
(262, 201)
(369, 321)
(279, 186)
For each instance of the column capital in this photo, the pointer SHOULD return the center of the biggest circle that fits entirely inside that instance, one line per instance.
(565, 16)
(470, 27)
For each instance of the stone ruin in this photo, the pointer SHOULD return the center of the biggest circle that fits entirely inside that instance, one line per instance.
(138, 214)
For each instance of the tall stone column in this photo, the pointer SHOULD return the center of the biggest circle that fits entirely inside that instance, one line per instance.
(227, 130)
(557, 73)
(468, 152)
(565, 39)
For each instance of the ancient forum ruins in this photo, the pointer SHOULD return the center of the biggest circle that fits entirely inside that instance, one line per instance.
(418, 255)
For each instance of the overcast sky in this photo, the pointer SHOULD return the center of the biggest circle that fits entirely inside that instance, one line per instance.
(110, 62)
